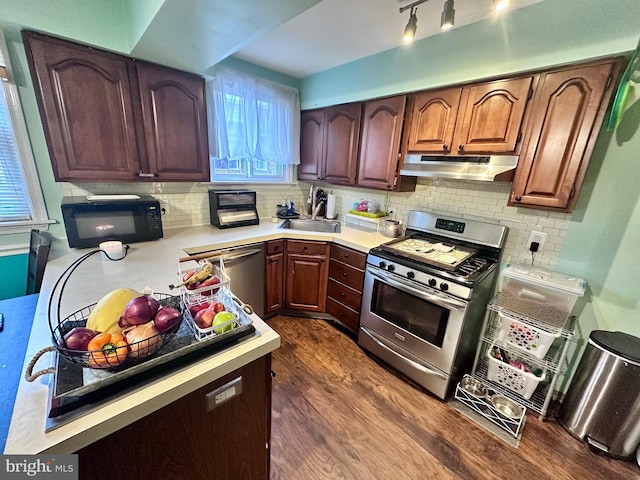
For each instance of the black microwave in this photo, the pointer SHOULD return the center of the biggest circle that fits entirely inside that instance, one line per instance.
(93, 219)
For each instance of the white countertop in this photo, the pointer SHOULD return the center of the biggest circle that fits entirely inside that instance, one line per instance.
(152, 264)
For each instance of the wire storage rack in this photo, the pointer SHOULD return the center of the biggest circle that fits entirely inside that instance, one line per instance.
(553, 363)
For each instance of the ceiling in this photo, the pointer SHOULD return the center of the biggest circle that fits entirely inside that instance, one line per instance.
(334, 32)
(294, 37)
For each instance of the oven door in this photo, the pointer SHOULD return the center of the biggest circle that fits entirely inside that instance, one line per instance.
(418, 319)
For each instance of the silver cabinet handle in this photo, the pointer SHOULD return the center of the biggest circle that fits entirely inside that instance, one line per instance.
(437, 300)
(416, 365)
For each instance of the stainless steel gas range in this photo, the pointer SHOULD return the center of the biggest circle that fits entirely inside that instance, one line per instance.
(425, 295)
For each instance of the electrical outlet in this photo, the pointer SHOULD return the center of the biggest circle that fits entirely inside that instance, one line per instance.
(539, 237)
(164, 207)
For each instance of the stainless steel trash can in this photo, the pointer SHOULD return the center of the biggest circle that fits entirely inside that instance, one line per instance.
(602, 405)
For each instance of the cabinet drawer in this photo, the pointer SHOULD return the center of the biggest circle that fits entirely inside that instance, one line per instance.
(346, 274)
(349, 256)
(311, 248)
(343, 294)
(349, 318)
(275, 246)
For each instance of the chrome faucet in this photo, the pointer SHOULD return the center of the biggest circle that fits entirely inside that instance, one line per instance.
(316, 210)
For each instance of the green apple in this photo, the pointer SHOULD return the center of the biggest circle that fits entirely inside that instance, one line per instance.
(223, 317)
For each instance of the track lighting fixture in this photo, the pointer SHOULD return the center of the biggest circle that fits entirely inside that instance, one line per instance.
(448, 15)
(500, 5)
(410, 29)
(412, 24)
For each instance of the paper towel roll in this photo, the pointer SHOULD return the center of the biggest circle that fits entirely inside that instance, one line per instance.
(331, 206)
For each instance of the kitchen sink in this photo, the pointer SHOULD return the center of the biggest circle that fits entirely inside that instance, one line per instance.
(328, 226)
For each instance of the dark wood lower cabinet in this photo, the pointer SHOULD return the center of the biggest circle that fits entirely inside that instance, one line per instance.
(274, 276)
(306, 268)
(188, 440)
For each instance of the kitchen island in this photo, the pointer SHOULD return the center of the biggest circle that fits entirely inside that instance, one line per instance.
(153, 264)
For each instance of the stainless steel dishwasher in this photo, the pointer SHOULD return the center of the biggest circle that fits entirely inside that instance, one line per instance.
(245, 267)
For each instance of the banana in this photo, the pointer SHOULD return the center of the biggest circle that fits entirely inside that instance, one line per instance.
(205, 271)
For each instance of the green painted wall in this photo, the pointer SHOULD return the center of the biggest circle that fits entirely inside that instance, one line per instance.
(15, 284)
(98, 22)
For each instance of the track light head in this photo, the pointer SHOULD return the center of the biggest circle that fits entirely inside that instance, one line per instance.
(448, 15)
(410, 29)
(500, 5)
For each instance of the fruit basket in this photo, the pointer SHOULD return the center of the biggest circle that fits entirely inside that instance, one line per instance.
(113, 354)
(97, 359)
(206, 306)
(208, 287)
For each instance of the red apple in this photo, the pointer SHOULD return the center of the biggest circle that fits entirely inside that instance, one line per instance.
(217, 307)
(214, 280)
(188, 275)
(193, 309)
(204, 318)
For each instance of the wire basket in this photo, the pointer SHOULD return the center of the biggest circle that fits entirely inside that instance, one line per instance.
(231, 304)
(118, 358)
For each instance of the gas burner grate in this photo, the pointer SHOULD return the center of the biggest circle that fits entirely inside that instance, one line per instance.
(472, 266)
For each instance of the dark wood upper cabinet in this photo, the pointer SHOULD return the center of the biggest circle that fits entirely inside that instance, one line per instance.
(568, 110)
(477, 119)
(492, 117)
(175, 125)
(329, 144)
(433, 121)
(341, 141)
(84, 97)
(311, 145)
(107, 117)
(380, 143)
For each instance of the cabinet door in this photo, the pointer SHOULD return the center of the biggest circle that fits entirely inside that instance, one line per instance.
(341, 140)
(568, 111)
(84, 98)
(380, 143)
(189, 439)
(274, 281)
(175, 124)
(491, 116)
(306, 282)
(311, 142)
(433, 120)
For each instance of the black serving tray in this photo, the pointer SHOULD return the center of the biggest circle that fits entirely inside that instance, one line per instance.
(75, 387)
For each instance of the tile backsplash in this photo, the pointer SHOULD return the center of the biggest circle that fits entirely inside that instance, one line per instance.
(187, 204)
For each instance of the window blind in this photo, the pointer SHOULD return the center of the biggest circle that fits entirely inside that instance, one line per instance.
(14, 198)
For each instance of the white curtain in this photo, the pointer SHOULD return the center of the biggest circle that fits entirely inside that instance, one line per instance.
(252, 118)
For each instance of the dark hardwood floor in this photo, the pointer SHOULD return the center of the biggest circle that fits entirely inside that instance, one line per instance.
(337, 414)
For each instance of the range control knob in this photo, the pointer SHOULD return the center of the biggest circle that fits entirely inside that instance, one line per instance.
(411, 275)
(391, 267)
(444, 287)
(432, 282)
(383, 264)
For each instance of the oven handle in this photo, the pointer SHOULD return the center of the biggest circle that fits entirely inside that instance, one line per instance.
(442, 302)
(414, 364)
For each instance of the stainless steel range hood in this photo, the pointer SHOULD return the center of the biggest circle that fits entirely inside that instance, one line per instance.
(496, 168)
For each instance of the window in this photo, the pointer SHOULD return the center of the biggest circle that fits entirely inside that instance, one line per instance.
(254, 127)
(21, 204)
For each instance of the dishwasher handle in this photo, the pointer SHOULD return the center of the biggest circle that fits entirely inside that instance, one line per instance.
(215, 256)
